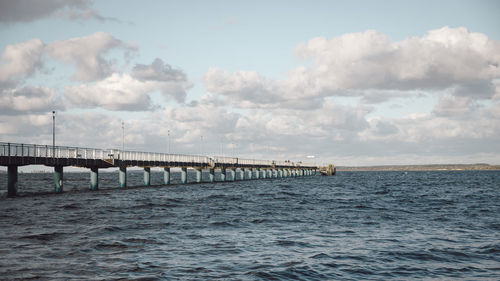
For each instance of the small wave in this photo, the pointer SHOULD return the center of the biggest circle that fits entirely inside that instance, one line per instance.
(257, 221)
(221, 224)
(45, 237)
(291, 243)
(72, 206)
(490, 249)
(321, 256)
(111, 246)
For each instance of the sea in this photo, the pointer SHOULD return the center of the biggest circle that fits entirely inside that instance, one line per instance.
(427, 225)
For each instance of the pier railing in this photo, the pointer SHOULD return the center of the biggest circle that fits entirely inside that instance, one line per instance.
(81, 153)
(49, 151)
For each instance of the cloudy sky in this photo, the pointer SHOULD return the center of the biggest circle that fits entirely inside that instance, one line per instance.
(350, 82)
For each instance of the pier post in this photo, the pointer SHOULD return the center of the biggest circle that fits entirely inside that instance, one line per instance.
(280, 173)
(212, 175)
(264, 174)
(257, 171)
(242, 174)
(183, 175)
(123, 176)
(166, 175)
(223, 174)
(233, 174)
(94, 178)
(250, 173)
(58, 179)
(198, 175)
(12, 180)
(147, 176)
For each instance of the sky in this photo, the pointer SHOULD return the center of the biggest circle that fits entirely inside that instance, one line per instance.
(352, 83)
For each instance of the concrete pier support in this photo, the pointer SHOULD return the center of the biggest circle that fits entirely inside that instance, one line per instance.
(249, 174)
(12, 181)
(212, 175)
(123, 176)
(264, 173)
(223, 174)
(257, 173)
(233, 174)
(280, 173)
(94, 178)
(58, 179)
(184, 175)
(242, 174)
(198, 175)
(166, 175)
(147, 176)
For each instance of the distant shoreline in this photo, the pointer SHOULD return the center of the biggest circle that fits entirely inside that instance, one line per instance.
(430, 167)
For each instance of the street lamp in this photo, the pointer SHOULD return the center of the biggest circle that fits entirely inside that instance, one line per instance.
(201, 145)
(53, 133)
(123, 136)
(168, 141)
(221, 147)
(232, 146)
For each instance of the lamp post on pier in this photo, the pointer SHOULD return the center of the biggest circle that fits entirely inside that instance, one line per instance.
(123, 136)
(168, 141)
(201, 145)
(53, 134)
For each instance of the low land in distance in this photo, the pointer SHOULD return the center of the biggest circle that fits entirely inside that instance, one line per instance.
(429, 167)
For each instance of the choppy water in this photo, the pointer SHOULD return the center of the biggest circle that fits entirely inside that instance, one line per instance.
(356, 225)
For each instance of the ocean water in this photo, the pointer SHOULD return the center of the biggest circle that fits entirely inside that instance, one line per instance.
(352, 226)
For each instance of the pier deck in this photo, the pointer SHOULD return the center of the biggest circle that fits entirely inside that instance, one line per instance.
(14, 155)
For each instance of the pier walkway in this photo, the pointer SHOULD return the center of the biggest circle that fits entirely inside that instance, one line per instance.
(14, 155)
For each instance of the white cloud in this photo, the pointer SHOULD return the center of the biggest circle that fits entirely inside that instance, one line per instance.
(27, 100)
(361, 64)
(131, 91)
(246, 88)
(31, 10)
(86, 54)
(172, 82)
(117, 92)
(20, 60)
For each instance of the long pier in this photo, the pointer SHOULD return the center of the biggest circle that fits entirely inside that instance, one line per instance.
(14, 155)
